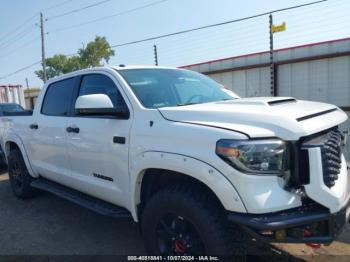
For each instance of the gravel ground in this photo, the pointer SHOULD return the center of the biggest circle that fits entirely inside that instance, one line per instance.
(47, 225)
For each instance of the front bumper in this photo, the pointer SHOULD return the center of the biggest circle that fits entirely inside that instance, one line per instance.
(310, 223)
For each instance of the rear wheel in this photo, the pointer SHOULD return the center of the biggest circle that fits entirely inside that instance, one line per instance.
(20, 178)
(185, 220)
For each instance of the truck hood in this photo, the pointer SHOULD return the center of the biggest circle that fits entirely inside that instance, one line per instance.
(283, 117)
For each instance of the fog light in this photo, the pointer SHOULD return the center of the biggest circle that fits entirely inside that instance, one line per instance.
(280, 234)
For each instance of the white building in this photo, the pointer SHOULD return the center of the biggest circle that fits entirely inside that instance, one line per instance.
(12, 94)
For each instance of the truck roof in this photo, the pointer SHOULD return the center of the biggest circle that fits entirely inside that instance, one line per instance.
(118, 68)
(122, 67)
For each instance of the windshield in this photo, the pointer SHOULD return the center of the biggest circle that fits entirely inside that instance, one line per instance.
(157, 88)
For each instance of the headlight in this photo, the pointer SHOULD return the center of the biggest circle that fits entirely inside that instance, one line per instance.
(268, 156)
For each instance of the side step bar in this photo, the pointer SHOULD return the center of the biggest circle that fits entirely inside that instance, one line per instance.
(89, 202)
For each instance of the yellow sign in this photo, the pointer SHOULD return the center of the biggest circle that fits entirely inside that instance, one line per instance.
(278, 28)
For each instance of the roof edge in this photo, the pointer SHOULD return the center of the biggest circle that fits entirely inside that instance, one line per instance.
(266, 52)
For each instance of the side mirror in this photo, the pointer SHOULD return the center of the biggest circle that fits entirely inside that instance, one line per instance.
(99, 104)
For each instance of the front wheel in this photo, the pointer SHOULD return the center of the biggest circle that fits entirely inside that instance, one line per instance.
(183, 220)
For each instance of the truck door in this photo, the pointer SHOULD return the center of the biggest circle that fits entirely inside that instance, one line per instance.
(98, 145)
(47, 143)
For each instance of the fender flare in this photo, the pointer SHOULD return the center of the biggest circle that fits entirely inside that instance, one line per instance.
(12, 138)
(195, 168)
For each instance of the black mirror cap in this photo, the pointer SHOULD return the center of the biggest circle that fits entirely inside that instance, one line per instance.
(120, 112)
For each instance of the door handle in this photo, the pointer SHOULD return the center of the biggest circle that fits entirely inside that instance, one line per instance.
(119, 140)
(71, 129)
(34, 126)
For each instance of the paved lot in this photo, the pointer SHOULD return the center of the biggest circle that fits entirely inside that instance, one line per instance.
(50, 225)
(47, 225)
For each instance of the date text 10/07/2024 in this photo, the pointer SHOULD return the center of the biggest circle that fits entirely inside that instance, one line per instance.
(173, 258)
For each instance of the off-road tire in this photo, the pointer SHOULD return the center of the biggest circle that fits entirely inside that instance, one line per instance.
(20, 178)
(202, 210)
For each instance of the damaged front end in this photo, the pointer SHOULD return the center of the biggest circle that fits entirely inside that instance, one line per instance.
(320, 177)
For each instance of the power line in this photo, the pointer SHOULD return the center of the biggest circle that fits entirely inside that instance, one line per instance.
(110, 16)
(20, 47)
(18, 27)
(78, 10)
(20, 70)
(55, 6)
(215, 25)
(171, 34)
(258, 28)
(221, 34)
(16, 37)
(305, 12)
(5, 36)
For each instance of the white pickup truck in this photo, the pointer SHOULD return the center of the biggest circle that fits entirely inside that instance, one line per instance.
(198, 168)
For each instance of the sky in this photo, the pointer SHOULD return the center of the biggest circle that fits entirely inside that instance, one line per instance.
(20, 44)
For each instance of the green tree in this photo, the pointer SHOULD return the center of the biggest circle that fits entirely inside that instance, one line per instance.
(94, 54)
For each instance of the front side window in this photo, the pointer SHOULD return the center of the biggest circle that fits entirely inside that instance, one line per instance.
(101, 84)
(157, 88)
(57, 98)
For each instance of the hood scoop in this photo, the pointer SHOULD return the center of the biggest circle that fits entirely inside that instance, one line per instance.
(316, 114)
(265, 101)
(282, 101)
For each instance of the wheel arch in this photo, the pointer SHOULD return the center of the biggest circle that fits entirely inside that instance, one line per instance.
(154, 179)
(15, 142)
(150, 166)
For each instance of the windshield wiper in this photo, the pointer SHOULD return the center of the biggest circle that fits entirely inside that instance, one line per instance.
(188, 104)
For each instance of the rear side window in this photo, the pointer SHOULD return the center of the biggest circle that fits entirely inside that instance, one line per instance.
(57, 98)
(101, 84)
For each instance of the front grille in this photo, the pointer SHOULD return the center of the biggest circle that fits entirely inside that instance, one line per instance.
(331, 158)
(330, 145)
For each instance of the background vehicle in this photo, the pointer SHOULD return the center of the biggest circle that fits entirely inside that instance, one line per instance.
(10, 109)
(194, 165)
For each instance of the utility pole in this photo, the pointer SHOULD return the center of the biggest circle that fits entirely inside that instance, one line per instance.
(27, 83)
(155, 55)
(272, 64)
(43, 46)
